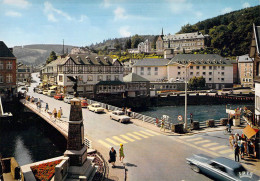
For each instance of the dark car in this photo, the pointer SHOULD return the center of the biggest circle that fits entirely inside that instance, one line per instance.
(59, 96)
(220, 168)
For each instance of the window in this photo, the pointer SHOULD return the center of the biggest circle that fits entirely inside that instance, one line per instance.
(60, 78)
(210, 67)
(191, 73)
(1, 79)
(218, 167)
(203, 73)
(142, 70)
(197, 73)
(155, 70)
(215, 67)
(9, 65)
(116, 77)
(191, 67)
(90, 78)
(210, 79)
(210, 73)
(100, 77)
(204, 67)
(1, 65)
(108, 77)
(197, 67)
(179, 67)
(222, 68)
(179, 73)
(222, 73)
(9, 78)
(149, 71)
(222, 79)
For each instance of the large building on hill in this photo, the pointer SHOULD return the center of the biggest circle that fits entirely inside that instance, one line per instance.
(144, 47)
(7, 71)
(159, 44)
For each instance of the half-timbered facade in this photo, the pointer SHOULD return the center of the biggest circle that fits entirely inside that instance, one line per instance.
(93, 72)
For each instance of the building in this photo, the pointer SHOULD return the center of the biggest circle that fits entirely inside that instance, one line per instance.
(136, 85)
(80, 50)
(255, 54)
(245, 70)
(185, 42)
(7, 71)
(97, 75)
(23, 73)
(159, 44)
(151, 69)
(144, 47)
(128, 67)
(217, 71)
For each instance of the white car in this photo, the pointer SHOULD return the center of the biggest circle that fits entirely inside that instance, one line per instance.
(45, 92)
(119, 116)
(68, 98)
(96, 108)
(22, 90)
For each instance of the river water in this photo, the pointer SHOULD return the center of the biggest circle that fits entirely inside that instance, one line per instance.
(199, 112)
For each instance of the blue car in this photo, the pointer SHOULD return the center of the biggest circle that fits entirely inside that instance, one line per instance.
(220, 168)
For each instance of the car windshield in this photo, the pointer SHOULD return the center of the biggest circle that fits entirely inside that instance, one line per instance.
(120, 113)
(239, 170)
(23, 88)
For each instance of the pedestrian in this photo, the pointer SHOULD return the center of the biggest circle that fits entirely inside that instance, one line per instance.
(34, 89)
(157, 122)
(121, 152)
(126, 110)
(129, 112)
(231, 141)
(162, 125)
(123, 109)
(40, 105)
(236, 152)
(236, 138)
(112, 157)
(46, 107)
(61, 113)
(54, 112)
(242, 149)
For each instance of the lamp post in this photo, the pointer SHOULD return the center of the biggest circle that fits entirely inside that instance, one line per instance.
(185, 114)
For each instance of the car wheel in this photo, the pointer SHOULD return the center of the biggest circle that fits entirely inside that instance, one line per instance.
(195, 168)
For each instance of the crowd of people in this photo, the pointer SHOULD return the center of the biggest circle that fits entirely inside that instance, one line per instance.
(242, 146)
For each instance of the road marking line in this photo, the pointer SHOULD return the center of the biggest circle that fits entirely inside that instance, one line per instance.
(119, 139)
(210, 144)
(104, 144)
(226, 151)
(136, 137)
(218, 147)
(203, 141)
(127, 138)
(112, 141)
(140, 134)
(153, 132)
(146, 133)
(194, 146)
(194, 139)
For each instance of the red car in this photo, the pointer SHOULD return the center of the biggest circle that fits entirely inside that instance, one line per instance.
(59, 96)
(84, 103)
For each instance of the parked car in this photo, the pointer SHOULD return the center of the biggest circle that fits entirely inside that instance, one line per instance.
(84, 103)
(22, 90)
(119, 116)
(219, 168)
(59, 96)
(96, 107)
(45, 92)
(68, 98)
(212, 91)
(39, 91)
(51, 93)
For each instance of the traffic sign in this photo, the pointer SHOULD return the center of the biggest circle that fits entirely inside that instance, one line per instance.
(180, 117)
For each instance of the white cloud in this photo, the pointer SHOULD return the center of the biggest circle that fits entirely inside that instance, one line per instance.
(13, 14)
(198, 14)
(18, 3)
(124, 32)
(106, 3)
(226, 10)
(120, 13)
(246, 5)
(180, 6)
(53, 14)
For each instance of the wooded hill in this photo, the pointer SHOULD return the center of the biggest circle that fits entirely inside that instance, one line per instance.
(230, 34)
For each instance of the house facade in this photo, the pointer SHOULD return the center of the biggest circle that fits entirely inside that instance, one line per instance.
(159, 44)
(217, 71)
(245, 70)
(24, 73)
(144, 47)
(7, 71)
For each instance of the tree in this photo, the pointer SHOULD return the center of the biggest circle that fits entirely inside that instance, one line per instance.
(196, 83)
(128, 44)
(136, 40)
(52, 57)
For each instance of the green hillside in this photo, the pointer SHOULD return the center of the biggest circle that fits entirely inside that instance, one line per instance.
(230, 34)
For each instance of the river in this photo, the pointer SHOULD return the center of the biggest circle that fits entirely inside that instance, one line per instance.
(199, 112)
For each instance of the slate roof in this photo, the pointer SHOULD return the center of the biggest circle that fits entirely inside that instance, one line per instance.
(4, 51)
(244, 59)
(132, 77)
(91, 59)
(117, 82)
(200, 59)
(257, 38)
(151, 62)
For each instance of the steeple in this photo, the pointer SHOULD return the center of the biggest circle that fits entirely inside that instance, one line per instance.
(162, 31)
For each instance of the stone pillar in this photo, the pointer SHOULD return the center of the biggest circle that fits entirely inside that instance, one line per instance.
(76, 150)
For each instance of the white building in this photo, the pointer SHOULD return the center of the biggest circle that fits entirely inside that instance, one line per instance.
(144, 47)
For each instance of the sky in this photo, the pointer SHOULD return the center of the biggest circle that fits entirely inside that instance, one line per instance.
(83, 22)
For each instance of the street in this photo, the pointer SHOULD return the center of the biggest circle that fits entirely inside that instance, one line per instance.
(148, 155)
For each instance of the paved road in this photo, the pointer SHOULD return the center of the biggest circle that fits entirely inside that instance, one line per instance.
(149, 155)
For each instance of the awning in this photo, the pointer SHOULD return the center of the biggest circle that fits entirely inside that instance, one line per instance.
(249, 131)
(53, 87)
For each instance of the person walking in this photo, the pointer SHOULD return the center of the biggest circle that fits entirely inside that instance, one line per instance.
(242, 149)
(54, 112)
(46, 107)
(162, 125)
(121, 153)
(236, 152)
(231, 141)
(61, 113)
(112, 157)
